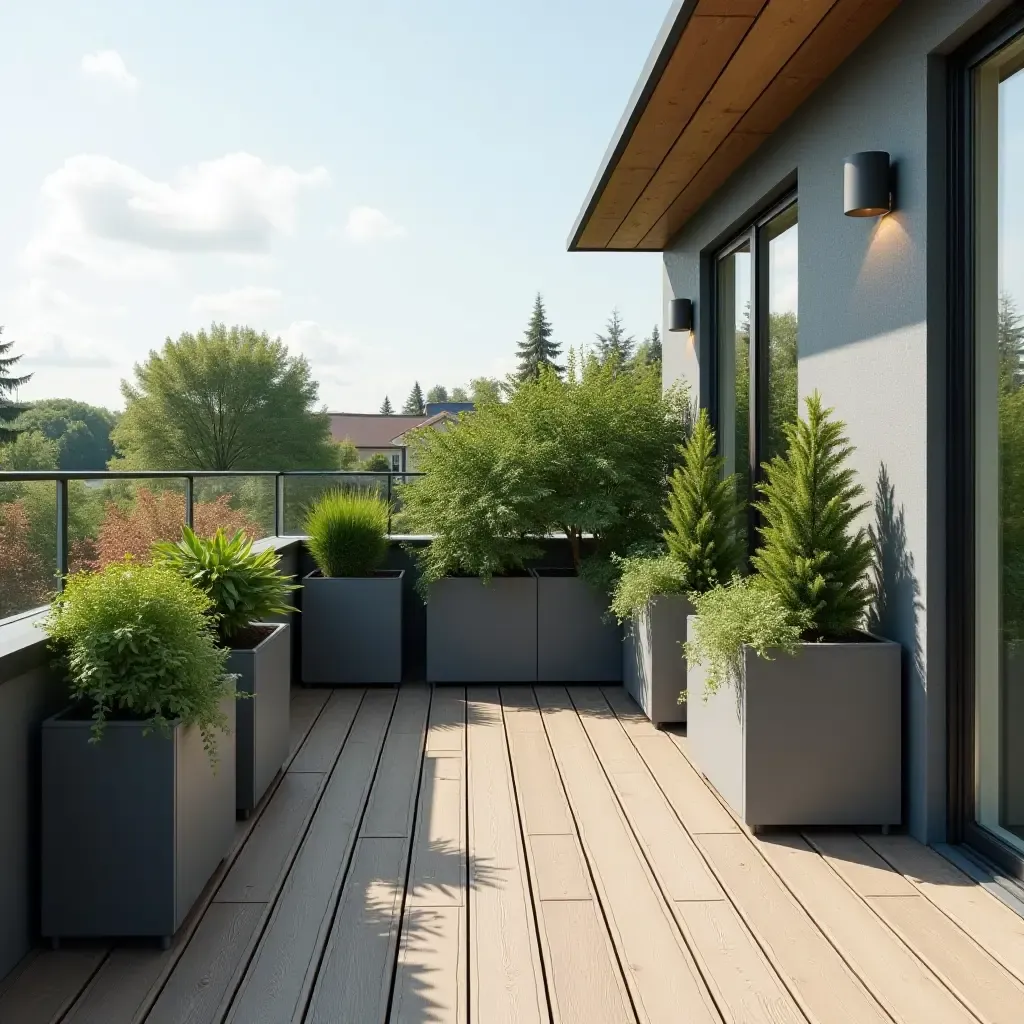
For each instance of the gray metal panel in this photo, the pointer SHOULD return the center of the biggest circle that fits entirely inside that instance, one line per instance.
(133, 826)
(352, 630)
(482, 633)
(26, 698)
(264, 721)
(653, 667)
(576, 642)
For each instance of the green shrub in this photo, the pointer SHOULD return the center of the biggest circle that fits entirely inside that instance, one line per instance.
(810, 556)
(348, 532)
(137, 641)
(644, 578)
(702, 513)
(244, 586)
(745, 611)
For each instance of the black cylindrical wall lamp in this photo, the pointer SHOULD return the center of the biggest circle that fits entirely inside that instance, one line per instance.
(867, 184)
(680, 315)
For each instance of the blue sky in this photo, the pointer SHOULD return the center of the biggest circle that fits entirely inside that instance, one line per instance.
(384, 185)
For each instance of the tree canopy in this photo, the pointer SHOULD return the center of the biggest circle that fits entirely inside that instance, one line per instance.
(82, 431)
(615, 347)
(414, 403)
(224, 398)
(537, 348)
(8, 385)
(438, 393)
(386, 409)
(649, 350)
(459, 395)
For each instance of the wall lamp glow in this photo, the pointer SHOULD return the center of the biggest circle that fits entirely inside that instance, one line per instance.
(680, 315)
(867, 185)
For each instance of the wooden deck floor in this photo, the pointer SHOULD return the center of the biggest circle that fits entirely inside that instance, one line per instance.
(530, 855)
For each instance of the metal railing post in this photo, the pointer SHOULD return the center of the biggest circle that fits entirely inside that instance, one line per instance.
(279, 505)
(389, 503)
(62, 533)
(189, 486)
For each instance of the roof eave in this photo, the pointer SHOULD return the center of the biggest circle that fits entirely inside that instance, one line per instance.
(661, 53)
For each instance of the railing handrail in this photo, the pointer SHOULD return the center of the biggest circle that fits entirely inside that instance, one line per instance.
(62, 477)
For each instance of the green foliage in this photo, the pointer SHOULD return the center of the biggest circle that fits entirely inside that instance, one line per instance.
(486, 389)
(1011, 468)
(587, 454)
(348, 454)
(30, 450)
(537, 349)
(438, 393)
(614, 347)
(385, 409)
(136, 640)
(378, 462)
(459, 395)
(643, 578)
(224, 399)
(414, 403)
(810, 556)
(783, 404)
(702, 513)
(744, 612)
(348, 532)
(8, 385)
(243, 586)
(649, 350)
(81, 431)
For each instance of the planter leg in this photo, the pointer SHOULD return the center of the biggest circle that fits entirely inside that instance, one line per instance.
(243, 815)
(885, 830)
(165, 942)
(54, 942)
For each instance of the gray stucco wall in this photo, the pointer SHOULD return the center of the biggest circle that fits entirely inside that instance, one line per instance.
(872, 329)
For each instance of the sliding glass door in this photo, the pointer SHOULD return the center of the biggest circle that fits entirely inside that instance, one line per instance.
(756, 337)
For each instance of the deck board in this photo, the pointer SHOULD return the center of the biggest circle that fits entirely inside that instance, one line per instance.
(545, 856)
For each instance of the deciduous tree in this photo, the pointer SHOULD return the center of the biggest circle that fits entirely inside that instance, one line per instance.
(82, 431)
(438, 393)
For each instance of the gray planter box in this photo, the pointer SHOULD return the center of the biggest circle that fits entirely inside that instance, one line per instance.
(132, 827)
(653, 666)
(482, 632)
(813, 739)
(577, 639)
(352, 629)
(264, 719)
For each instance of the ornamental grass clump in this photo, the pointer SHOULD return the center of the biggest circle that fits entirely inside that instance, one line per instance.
(243, 586)
(348, 532)
(138, 643)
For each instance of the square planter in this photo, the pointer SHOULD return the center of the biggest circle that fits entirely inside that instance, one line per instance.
(352, 628)
(263, 721)
(653, 666)
(482, 632)
(577, 640)
(813, 739)
(132, 827)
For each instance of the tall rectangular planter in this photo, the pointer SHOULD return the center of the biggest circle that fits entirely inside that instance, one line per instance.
(482, 632)
(577, 640)
(263, 718)
(352, 629)
(653, 666)
(811, 739)
(132, 827)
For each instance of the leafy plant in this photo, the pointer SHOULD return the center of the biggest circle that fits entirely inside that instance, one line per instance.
(348, 532)
(137, 641)
(810, 556)
(745, 611)
(644, 578)
(244, 586)
(702, 513)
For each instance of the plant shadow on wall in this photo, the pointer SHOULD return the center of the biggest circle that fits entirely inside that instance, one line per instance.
(896, 607)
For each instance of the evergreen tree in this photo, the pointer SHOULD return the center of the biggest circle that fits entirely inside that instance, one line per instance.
(614, 346)
(414, 403)
(1011, 342)
(385, 409)
(809, 555)
(8, 384)
(701, 512)
(438, 393)
(649, 350)
(537, 349)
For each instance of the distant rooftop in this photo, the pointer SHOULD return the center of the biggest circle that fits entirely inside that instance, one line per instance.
(375, 430)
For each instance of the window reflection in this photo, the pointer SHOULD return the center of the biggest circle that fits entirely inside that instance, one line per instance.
(780, 239)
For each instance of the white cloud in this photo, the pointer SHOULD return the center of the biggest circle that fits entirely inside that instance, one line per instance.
(238, 304)
(112, 219)
(321, 346)
(366, 224)
(109, 66)
(54, 350)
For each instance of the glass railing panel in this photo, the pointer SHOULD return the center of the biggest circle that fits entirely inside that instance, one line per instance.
(233, 503)
(300, 491)
(28, 545)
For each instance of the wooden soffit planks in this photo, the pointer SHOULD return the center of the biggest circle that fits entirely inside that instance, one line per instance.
(738, 70)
